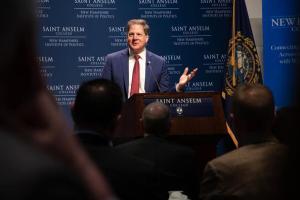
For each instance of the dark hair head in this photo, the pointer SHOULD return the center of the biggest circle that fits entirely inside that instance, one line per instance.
(253, 106)
(156, 118)
(139, 22)
(19, 71)
(98, 102)
(20, 78)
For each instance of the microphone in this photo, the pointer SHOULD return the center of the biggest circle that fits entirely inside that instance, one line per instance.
(153, 76)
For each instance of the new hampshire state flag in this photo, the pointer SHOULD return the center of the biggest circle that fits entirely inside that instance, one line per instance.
(243, 65)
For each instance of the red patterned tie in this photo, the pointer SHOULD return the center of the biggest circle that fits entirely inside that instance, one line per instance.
(135, 83)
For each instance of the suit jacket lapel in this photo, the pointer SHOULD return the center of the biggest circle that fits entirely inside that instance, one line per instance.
(148, 72)
(125, 63)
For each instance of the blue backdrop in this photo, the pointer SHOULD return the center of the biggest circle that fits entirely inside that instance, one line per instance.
(75, 36)
(281, 28)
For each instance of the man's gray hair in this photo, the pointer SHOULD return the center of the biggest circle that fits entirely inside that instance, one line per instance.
(139, 22)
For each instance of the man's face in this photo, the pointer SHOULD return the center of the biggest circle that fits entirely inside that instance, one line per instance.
(136, 38)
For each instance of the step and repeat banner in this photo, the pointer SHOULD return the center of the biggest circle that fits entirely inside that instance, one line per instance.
(76, 35)
(281, 28)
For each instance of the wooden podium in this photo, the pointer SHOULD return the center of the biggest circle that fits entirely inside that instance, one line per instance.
(197, 121)
(197, 114)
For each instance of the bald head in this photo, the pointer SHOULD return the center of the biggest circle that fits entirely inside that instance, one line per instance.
(156, 118)
(253, 107)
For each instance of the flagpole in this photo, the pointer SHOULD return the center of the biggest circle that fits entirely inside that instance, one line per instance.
(232, 136)
(232, 60)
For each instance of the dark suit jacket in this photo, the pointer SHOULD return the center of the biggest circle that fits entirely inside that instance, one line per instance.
(116, 69)
(176, 160)
(130, 178)
(27, 174)
(250, 172)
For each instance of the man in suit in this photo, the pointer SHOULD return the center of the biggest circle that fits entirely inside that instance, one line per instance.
(95, 112)
(150, 69)
(176, 160)
(255, 169)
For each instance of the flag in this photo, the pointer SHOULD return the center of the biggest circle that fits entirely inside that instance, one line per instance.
(243, 64)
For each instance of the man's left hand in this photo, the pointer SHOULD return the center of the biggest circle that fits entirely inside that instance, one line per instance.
(185, 78)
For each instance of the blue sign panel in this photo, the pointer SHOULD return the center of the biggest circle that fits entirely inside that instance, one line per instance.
(281, 27)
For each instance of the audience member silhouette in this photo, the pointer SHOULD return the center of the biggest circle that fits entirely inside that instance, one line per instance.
(255, 169)
(176, 160)
(96, 110)
(291, 135)
(27, 173)
(285, 123)
(28, 112)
